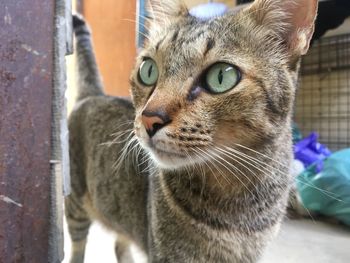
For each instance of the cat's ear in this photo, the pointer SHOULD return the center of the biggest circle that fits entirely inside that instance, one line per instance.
(292, 20)
(163, 11)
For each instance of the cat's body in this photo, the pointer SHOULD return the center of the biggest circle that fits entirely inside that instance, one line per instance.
(136, 204)
(219, 185)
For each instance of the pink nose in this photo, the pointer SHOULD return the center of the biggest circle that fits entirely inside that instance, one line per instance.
(154, 121)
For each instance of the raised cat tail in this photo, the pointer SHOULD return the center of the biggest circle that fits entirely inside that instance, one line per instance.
(89, 80)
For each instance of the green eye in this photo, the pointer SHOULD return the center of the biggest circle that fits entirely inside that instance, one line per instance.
(222, 77)
(148, 72)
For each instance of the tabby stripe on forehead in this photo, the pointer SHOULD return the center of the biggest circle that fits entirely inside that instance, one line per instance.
(159, 43)
(210, 45)
(193, 37)
(174, 37)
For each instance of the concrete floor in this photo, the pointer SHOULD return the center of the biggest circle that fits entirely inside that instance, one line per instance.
(308, 241)
(299, 241)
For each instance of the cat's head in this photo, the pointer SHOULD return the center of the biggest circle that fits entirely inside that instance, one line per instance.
(202, 86)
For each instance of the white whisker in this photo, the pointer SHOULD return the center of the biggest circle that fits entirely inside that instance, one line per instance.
(264, 166)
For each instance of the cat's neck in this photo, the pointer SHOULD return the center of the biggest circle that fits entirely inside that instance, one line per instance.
(218, 198)
(202, 183)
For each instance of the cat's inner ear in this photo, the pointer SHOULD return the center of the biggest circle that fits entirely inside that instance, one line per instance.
(164, 11)
(292, 21)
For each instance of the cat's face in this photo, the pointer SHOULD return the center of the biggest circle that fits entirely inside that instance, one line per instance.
(202, 86)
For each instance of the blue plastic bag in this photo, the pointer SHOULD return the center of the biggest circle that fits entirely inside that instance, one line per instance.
(309, 151)
(328, 192)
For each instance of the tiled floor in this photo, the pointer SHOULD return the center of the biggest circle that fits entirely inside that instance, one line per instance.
(299, 241)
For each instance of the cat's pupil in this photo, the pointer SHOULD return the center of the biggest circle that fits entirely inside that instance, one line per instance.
(150, 71)
(220, 76)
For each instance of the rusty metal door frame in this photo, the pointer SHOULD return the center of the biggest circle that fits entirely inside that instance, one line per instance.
(32, 83)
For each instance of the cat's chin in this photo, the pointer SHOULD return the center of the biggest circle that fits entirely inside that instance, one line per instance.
(169, 160)
(163, 153)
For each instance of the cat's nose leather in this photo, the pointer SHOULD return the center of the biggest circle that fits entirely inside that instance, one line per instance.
(154, 121)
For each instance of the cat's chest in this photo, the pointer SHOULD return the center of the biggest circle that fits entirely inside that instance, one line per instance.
(198, 243)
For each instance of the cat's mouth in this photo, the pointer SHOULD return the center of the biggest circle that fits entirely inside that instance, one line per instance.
(164, 153)
(168, 152)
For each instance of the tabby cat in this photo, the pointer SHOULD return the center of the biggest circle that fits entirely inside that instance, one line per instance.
(196, 167)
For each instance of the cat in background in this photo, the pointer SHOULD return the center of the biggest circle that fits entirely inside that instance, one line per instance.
(199, 168)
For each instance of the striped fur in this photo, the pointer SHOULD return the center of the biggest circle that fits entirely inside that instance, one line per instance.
(212, 185)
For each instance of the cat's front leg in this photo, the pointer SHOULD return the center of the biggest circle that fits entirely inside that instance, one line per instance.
(78, 222)
(122, 249)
